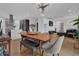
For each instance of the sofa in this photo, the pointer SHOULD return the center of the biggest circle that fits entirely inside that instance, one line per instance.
(71, 32)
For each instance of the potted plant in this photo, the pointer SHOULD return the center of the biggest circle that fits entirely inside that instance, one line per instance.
(76, 22)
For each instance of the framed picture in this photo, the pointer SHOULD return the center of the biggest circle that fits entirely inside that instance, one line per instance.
(50, 23)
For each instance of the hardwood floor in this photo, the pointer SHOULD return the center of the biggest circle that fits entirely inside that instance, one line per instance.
(67, 49)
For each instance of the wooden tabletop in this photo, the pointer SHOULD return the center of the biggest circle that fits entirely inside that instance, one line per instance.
(37, 36)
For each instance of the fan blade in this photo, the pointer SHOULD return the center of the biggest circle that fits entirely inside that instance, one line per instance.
(46, 5)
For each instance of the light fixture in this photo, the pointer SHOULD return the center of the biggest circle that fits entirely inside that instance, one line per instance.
(70, 12)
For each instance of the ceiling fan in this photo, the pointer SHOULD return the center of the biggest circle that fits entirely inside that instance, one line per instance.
(42, 6)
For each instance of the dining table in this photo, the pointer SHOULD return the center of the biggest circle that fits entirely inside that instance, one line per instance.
(41, 37)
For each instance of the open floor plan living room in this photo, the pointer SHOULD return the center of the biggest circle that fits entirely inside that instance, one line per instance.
(39, 29)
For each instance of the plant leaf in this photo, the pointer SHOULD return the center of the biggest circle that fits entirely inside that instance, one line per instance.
(77, 23)
(75, 20)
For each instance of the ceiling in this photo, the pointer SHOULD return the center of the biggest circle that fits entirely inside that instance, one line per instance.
(24, 10)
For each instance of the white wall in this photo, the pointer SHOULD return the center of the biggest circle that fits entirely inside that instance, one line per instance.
(43, 25)
(56, 24)
(68, 22)
(15, 33)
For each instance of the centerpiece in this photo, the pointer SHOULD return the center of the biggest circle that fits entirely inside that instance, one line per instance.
(33, 27)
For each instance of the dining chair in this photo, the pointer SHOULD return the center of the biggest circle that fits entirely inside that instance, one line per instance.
(54, 48)
(29, 43)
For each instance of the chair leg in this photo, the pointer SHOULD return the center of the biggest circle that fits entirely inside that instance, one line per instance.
(33, 53)
(20, 46)
(42, 52)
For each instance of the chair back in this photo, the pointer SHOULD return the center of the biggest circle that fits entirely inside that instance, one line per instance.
(57, 45)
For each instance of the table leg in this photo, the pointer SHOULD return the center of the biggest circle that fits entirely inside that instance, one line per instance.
(20, 42)
(40, 48)
(9, 46)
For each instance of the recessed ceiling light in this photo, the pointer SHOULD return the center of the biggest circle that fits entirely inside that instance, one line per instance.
(69, 11)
